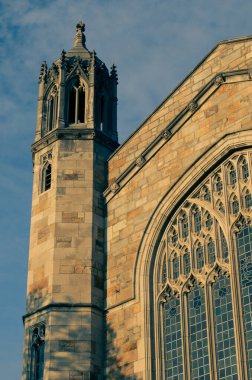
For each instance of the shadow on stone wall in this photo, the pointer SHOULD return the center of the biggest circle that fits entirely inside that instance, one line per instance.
(115, 370)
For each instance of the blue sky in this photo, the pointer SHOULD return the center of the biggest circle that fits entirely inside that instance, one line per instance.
(154, 44)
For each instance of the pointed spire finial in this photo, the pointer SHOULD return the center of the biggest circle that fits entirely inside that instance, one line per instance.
(80, 39)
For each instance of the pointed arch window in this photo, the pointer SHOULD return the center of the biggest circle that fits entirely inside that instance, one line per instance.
(197, 220)
(197, 322)
(208, 221)
(76, 103)
(211, 251)
(199, 252)
(37, 353)
(175, 267)
(216, 328)
(172, 339)
(244, 253)
(224, 330)
(247, 199)
(186, 263)
(218, 185)
(232, 178)
(51, 111)
(244, 169)
(184, 226)
(46, 177)
(234, 205)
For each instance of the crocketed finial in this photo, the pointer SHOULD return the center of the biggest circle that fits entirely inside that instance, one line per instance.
(80, 39)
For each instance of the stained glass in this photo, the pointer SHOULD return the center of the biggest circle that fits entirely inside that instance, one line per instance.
(224, 246)
(175, 267)
(248, 200)
(224, 330)
(209, 221)
(218, 184)
(245, 169)
(197, 221)
(211, 251)
(198, 335)
(184, 226)
(235, 206)
(172, 340)
(164, 274)
(232, 175)
(187, 265)
(244, 248)
(200, 257)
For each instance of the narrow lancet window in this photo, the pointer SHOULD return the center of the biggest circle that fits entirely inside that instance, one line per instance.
(244, 253)
(46, 177)
(172, 340)
(197, 319)
(37, 353)
(76, 103)
(224, 329)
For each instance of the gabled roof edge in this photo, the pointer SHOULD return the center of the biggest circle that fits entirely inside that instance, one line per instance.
(222, 42)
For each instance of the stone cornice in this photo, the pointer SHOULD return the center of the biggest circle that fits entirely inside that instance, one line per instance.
(74, 134)
(65, 305)
(162, 138)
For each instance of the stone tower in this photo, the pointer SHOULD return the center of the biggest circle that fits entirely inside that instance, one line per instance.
(76, 133)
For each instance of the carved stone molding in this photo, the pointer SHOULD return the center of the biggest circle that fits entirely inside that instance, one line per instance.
(114, 187)
(219, 79)
(140, 161)
(166, 134)
(193, 106)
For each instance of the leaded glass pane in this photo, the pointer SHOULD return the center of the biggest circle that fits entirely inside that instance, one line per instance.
(209, 221)
(248, 200)
(184, 226)
(187, 265)
(200, 257)
(197, 324)
(218, 184)
(224, 246)
(244, 248)
(197, 221)
(245, 169)
(172, 340)
(164, 273)
(235, 206)
(224, 330)
(175, 267)
(206, 194)
(232, 175)
(211, 252)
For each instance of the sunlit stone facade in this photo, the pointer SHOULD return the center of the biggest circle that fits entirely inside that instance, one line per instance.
(140, 262)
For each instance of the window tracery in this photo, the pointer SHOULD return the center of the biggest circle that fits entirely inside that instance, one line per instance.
(210, 261)
(76, 102)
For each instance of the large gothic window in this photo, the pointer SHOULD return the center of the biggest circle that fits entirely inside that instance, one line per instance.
(204, 296)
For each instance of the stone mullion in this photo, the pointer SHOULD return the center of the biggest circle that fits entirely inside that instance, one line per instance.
(237, 309)
(249, 183)
(161, 342)
(185, 336)
(211, 332)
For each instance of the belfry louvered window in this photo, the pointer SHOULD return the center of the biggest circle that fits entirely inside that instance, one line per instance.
(208, 265)
(76, 103)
